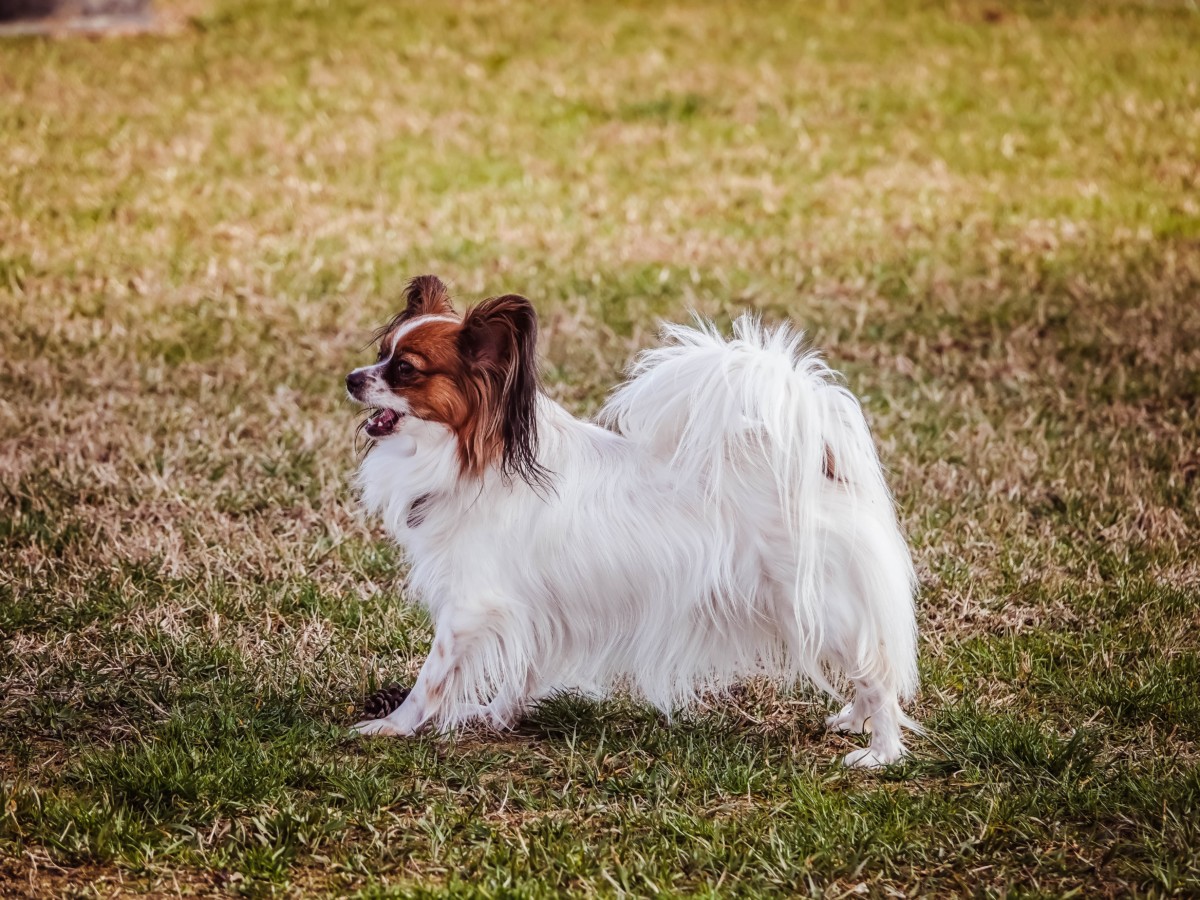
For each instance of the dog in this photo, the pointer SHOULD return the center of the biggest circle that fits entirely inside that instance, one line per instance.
(725, 516)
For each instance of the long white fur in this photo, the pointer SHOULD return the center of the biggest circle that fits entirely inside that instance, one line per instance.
(693, 538)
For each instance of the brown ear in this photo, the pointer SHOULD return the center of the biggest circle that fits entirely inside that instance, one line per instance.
(426, 295)
(498, 341)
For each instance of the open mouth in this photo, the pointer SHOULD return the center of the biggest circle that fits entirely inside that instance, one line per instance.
(383, 423)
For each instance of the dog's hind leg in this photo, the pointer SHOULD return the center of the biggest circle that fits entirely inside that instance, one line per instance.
(875, 710)
(871, 638)
(853, 717)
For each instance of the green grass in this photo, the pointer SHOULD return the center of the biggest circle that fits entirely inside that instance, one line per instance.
(987, 214)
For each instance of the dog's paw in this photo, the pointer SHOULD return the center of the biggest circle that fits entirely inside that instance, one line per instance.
(378, 726)
(847, 721)
(870, 758)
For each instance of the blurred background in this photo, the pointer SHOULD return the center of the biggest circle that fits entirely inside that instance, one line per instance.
(986, 213)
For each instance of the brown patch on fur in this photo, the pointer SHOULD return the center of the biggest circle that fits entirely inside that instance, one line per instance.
(477, 377)
(426, 370)
(829, 467)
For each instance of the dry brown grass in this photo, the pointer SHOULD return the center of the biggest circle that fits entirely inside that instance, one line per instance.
(988, 218)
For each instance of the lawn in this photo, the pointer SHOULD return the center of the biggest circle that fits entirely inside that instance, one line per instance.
(987, 214)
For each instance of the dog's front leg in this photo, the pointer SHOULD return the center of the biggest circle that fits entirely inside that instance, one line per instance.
(428, 695)
(453, 676)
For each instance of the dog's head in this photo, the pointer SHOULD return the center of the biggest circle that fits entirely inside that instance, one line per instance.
(476, 374)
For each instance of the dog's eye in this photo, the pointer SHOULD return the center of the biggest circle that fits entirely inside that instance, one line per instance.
(404, 367)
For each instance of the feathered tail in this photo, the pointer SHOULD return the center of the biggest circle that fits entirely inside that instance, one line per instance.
(758, 416)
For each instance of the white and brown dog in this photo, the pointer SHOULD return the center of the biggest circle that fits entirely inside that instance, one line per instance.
(726, 517)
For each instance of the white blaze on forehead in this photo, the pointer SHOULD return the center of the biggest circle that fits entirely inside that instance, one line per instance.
(409, 326)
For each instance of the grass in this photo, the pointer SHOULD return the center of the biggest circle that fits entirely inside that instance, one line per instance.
(987, 214)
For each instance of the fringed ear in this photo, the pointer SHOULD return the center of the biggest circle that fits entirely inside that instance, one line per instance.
(498, 340)
(426, 295)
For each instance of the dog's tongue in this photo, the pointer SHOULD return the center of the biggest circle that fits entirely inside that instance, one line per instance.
(383, 423)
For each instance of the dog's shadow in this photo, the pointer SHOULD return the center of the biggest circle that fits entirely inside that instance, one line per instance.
(755, 714)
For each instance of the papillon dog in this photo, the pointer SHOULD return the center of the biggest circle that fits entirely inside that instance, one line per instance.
(724, 517)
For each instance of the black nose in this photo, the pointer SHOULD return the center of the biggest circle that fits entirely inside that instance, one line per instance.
(355, 380)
